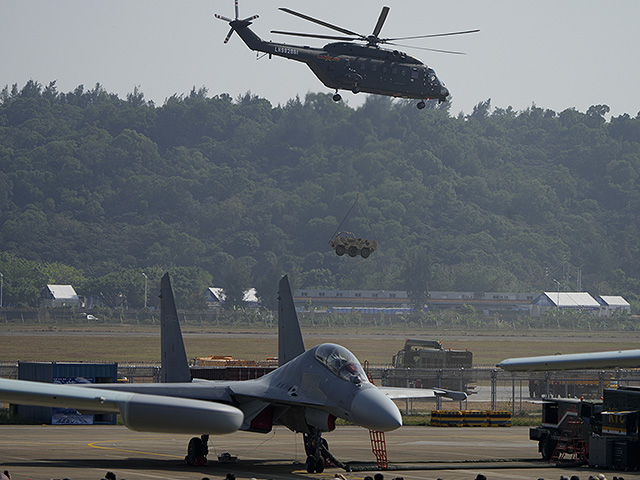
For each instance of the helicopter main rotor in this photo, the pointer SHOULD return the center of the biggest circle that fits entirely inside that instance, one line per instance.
(372, 40)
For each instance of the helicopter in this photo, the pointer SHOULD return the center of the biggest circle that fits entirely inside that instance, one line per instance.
(344, 65)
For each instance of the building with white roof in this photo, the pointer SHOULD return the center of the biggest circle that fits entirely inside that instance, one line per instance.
(60, 296)
(215, 297)
(612, 304)
(579, 301)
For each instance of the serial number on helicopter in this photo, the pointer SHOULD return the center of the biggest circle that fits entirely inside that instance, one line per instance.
(287, 50)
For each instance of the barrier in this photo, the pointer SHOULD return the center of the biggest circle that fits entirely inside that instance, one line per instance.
(499, 418)
(475, 418)
(447, 418)
(470, 418)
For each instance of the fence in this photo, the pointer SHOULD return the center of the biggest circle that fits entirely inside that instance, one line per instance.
(488, 388)
(500, 390)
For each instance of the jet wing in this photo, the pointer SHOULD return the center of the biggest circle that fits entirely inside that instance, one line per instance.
(574, 361)
(398, 393)
(142, 412)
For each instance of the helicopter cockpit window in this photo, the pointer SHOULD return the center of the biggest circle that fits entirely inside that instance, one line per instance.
(431, 75)
(341, 362)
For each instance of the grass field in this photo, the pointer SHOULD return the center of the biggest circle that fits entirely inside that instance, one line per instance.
(141, 344)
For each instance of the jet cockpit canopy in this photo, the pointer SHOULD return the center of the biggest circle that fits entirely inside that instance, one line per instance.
(341, 362)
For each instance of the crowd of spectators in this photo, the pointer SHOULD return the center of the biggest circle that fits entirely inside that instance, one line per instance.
(338, 476)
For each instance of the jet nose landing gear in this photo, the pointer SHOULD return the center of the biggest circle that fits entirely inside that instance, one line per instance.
(317, 450)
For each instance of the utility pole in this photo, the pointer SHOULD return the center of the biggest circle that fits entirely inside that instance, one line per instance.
(579, 281)
(145, 290)
(1, 287)
(558, 293)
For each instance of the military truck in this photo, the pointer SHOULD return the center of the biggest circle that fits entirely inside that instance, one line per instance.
(346, 242)
(605, 433)
(426, 363)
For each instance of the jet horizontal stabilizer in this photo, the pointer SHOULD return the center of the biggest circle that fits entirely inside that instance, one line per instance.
(399, 393)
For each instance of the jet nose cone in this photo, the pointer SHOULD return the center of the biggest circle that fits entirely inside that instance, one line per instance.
(374, 410)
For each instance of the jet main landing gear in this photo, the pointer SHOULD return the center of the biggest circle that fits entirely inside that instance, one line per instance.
(197, 451)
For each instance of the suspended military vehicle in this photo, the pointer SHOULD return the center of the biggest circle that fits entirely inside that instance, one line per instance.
(346, 242)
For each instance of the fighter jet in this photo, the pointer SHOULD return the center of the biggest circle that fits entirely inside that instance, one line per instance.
(306, 393)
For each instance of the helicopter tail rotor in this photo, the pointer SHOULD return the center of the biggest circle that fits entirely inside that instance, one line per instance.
(235, 22)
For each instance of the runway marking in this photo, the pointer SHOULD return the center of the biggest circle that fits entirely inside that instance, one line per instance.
(95, 445)
(138, 474)
(467, 444)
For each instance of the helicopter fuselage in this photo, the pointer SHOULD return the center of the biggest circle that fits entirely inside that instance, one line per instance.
(359, 68)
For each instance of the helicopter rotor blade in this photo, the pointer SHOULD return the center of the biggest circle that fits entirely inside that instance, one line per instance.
(312, 35)
(320, 22)
(387, 40)
(248, 19)
(381, 20)
(426, 48)
(226, 19)
(237, 14)
(228, 36)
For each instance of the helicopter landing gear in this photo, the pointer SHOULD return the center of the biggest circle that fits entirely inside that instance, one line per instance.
(337, 97)
(355, 89)
(317, 450)
(421, 105)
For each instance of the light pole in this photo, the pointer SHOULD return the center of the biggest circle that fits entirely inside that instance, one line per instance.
(557, 294)
(1, 287)
(145, 290)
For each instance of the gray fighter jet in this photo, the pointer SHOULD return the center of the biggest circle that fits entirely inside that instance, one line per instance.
(306, 393)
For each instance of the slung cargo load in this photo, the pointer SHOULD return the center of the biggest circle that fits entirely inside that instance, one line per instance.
(346, 242)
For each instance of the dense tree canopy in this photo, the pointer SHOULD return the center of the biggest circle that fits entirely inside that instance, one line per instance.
(241, 191)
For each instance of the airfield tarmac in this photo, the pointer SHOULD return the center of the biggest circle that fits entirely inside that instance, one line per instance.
(88, 452)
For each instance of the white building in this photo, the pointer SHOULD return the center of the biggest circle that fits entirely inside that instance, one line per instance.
(60, 296)
(611, 305)
(578, 301)
(214, 296)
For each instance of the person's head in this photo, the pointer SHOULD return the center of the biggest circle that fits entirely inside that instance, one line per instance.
(110, 476)
(378, 476)
(231, 476)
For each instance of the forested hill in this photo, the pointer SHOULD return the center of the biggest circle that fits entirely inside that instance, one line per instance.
(499, 200)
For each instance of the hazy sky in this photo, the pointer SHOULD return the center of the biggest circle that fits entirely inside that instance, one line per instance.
(557, 54)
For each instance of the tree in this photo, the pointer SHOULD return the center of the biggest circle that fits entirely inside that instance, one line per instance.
(23, 281)
(235, 282)
(416, 274)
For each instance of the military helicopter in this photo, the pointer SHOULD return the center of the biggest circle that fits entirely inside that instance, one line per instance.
(350, 66)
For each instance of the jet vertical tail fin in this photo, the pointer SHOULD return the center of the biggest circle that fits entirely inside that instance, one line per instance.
(175, 367)
(290, 343)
